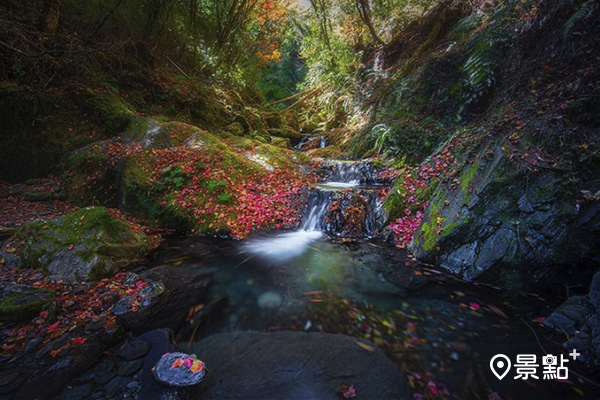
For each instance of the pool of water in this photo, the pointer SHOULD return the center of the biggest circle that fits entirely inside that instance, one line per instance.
(439, 330)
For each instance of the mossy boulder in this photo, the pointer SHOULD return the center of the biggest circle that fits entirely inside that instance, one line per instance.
(149, 133)
(183, 177)
(88, 244)
(107, 107)
(513, 227)
(21, 302)
(92, 176)
(236, 129)
(281, 142)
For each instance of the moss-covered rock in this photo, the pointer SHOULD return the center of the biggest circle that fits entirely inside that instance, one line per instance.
(149, 133)
(88, 244)
(512, 227)
(235, 128)
(21, 302)
(281, 142)
(91, 176)
(106, 106)
(182, 177)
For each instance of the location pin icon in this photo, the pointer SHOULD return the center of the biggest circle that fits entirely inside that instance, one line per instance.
(500, 363)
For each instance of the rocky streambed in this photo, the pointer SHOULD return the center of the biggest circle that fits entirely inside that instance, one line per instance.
(324, 311)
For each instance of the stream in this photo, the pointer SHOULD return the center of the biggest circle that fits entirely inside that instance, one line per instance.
(334, 275)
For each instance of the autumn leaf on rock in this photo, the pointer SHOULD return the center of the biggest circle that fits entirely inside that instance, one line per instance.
(78, 340)
(53, 327)
(177, 363)
(197, 366)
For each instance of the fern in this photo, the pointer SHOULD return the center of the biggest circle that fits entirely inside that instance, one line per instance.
(578, 15)
(380, 133)
(484, 50)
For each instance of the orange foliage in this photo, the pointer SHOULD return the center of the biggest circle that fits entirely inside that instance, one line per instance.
(271, 16)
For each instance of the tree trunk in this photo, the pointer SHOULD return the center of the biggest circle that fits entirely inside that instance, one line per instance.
(364, 10)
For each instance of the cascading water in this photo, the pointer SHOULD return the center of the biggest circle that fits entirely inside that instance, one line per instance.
(345, 203)
(316, 210)
(353, 172)
(312, 142)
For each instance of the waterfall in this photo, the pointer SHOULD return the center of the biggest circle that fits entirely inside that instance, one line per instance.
(354, 172)
(346, 202)
(316, 210)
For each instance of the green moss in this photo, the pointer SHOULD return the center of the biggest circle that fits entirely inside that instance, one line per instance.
(107, 107)
(96, 219)
(467, 177)
(87, 232)
(26, 305)
(136, 129)
(430, 229)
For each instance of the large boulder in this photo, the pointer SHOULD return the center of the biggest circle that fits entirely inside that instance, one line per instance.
(186, 178)
(506, 225)
(88, 244)
(22, 302)
(173, 291)
(292, 365)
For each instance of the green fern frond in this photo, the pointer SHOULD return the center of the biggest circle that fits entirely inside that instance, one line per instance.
(577, 16)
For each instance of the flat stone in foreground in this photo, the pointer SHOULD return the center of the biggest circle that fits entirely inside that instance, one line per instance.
(295, 365)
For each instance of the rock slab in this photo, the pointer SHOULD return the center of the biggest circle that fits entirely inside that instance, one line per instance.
(295, 365)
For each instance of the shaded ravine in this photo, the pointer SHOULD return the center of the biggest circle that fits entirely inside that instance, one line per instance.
(439, 330)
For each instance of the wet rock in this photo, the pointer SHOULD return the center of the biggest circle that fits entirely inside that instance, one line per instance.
(134, 350)
(105, 378)
(116, 385)
(345, 212)
(129, 368)
(363, 172)
(288, 364)
(570, 316)
(88, 244)
(311, 142)
(77, 392)
(144, 298)
(579, 319)
(22, 302)
(183, 288)
(104, 367)
(49, 381)
(179, 376)
(9, 381)
(133, 385)
(514, 229)
(161, 342)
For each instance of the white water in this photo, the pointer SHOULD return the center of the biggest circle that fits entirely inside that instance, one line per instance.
(282, 247)
(288, 245)
(338, 185)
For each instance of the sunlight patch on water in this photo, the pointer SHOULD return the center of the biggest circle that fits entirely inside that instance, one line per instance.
(282, 247)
